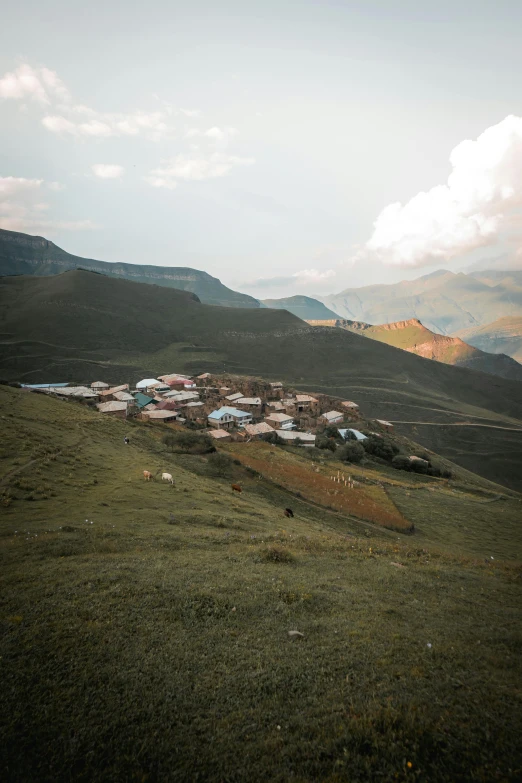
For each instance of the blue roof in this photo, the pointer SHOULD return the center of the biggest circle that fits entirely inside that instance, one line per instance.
(358, 435)
(43, 385)
(142, 399)
(231, 411)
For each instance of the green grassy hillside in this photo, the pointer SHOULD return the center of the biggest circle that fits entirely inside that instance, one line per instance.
(303, 306)
(501, 336)
(83, 326)
(22, 254)
(146, 628)
(413, 336)
(445, 302)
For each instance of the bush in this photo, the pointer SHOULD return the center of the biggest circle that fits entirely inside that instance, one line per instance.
(322, 442)
(400, 462)
(331, 431)
(273, 437)
(380, 447)
(221, 464)
(351, 452)
(188, 442)
(418, 467)
(275, 554)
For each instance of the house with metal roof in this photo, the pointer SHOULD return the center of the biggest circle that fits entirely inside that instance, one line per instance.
(306, 438)
(163, 416)
(147, 383)
(220, 435)
(257, 430)
(281, 421)
(234, 397)
(226, 418)
(333, 417)
(142, 400)
(99, 385)
(43, 385)
(351, 405)
(113, 408)
(351, 434)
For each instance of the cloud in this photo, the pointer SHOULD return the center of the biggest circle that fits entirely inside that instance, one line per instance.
(219, 137)
(191, 112)
(194, 167)
(56, 186)
(38, 84)
(305, 277)
(479, 201)
(105, 125)
(313, 276)
(107, 170)
(11, 185)
(20, 209)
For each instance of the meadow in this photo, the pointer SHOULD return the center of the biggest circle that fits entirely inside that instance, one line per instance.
(148, 631)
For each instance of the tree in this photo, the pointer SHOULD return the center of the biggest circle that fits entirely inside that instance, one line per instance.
(273, 437)
(351, 452)
(220, 464)
(400, 462)
(323, 442)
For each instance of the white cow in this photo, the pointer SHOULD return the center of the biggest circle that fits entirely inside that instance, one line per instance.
(167, 477)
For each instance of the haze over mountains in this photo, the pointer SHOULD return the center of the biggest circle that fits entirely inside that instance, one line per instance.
(78, 325)
(412, 336)
(303, 306)
(22, 254)
(502, 336)
(445, 302)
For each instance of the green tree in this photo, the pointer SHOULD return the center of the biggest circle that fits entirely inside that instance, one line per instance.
(351, 452)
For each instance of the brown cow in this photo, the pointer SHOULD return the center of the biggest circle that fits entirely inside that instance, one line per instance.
(236, 488)
(289, 513)
(147, 475)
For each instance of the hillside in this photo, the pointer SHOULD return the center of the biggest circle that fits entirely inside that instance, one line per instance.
(302, 306)
(147, 628)
(81, 326)
(502, 336)
(445, 302)
(22, 254)
(412, 336)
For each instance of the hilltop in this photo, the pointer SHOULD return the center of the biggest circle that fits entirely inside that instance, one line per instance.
(445, 302)
(207, 635)
(79, 326)
(412, 336)
(22, 254)
(502, 336)
(302, 306)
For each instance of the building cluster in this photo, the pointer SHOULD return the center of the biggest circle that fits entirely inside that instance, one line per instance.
(235, 408)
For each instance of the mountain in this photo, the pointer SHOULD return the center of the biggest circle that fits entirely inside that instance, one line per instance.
(445, 302)
(22, 254)
(412, 336)
(303, 306)
(502, 336)
(80, 326)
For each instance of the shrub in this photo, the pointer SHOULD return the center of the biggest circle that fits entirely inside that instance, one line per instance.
(273, 438)
(322, 442)
(380, 447)
(351, 452)
(189, 442)
(220, 464)
(275, 554)
(418, 467)
(400, 462)
(331, 431)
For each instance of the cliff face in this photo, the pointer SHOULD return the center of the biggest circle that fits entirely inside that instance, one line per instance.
(22, 254)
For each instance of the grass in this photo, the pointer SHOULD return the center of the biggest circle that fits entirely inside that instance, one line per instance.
(146, 628)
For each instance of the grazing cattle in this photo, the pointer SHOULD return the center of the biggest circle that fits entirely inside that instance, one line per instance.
(167, 477)
(147, 475)
(236, 488)
(289, 512)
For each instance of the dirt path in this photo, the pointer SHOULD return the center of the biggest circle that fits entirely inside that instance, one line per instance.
(456, 424)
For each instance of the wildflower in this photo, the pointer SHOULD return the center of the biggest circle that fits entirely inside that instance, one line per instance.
(409, 765)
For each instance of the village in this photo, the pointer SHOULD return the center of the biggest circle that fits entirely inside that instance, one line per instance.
(227, 408)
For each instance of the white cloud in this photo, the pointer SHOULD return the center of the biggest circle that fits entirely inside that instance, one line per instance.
(20, 209)
(12, 185)
(56, 186)
(479, 200)
(40, 84)
(220, 137)
(195, 167)
(107, 170)
(312, 276)
(191, 112)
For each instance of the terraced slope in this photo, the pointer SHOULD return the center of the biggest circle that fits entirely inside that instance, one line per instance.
(501, 336)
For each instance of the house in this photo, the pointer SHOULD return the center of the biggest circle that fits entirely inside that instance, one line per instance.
(276, 389)
(221, 435)
(226, 418)
(387, 425)
(43, 385)
(98, 386)
(280, 421)
(142, 400)
(162, 417)
(72, 391)
(174, 380)
(351, 434)
(160, 388)
(167, 405)
(178, 396)
(306, 438)
(276, 407)
(193, 410)
(257, 430)
(333, 417)
(305, 402)
(253, 404)
(350, 405)
(146, 384)
(123, 396)
(204, 376)
(224, 390)
(114, 408)
(234, 397)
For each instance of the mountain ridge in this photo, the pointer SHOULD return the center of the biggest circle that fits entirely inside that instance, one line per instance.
(304, 307)
(24, 254)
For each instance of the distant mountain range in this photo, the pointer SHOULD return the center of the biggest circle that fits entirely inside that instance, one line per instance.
(22, 254)
(302, 306)
(502, 336)
(412, 336)
(445, 302)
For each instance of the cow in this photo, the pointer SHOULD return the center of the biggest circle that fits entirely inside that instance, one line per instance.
(167, 477)
(147, 475)
(236, 488)
(289, 513)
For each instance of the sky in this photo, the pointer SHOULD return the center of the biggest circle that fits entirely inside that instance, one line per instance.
(284, 146)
